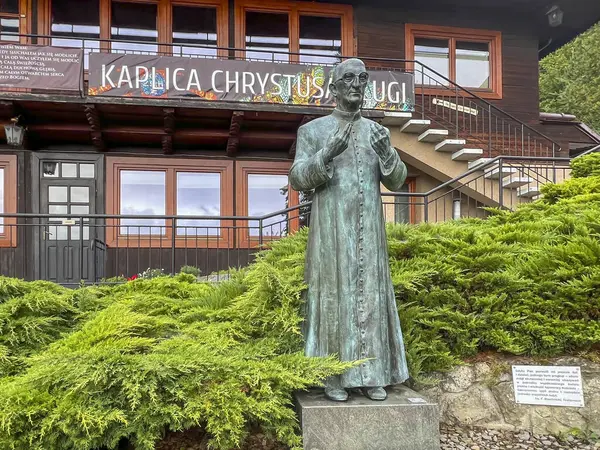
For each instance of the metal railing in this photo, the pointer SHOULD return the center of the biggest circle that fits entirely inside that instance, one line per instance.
(462, 111)
(503, 182)
(99, 248)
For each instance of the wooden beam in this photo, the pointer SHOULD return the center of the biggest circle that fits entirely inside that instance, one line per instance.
(169, 125)
(233, 141)
(190, 133)
(304, 121)
(93, 118)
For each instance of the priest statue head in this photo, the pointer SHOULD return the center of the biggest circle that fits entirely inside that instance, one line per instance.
(350, 78)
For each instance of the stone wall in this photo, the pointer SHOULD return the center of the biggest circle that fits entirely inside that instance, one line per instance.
(481, 394)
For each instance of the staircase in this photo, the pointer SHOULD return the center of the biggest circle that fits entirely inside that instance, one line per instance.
(471, 170)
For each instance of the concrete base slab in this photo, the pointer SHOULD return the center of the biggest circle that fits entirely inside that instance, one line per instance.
(405, 421)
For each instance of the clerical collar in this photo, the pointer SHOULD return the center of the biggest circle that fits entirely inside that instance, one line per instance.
(346, 115)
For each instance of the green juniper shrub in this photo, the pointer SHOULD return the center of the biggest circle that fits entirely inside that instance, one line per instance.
(86, 368)
(587, 166)
(191, 270)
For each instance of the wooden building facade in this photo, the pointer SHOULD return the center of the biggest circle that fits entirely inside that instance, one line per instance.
(193, 175)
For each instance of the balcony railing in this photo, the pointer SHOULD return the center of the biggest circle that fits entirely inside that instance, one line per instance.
(69, 249)
(461, 111)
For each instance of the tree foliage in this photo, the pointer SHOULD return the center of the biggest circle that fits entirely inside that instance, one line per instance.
(569, 78)
(82, 369)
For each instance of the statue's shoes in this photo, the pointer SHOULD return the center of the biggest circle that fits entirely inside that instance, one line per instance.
(375, 393)
(337, 395)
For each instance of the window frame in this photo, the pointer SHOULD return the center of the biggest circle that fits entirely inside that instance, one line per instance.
(9, 164)
(24, 24)
(164, 21)
(170, 166)
(242, 170)
(294, 11)
(452, 34)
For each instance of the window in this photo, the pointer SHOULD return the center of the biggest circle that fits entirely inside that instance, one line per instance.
(470, 58)
(134, 22)
(263, 188)
(76, 24)
(319, 33)
(8, 200)
(9, 20)
(195, 27)
(267, 36)
(320, 39)
(404, 207)
(166, 187)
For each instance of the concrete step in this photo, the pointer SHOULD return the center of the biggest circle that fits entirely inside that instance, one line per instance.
(467, 154)
(478, 162)
(515, 181)
(417, 126)
(433, 136)
(494, 174)
(529, 191)
(450, 145)
(395, 118)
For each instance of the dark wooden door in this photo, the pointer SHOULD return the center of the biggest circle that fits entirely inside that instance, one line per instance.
(66, 254)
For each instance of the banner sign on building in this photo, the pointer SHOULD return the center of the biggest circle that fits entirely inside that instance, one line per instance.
(237, 81)
(32, 67)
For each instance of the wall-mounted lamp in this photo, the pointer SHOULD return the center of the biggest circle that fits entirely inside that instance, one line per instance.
(15, 134)
(555, 16)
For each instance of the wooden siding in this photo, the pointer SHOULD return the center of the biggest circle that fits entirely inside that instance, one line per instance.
(380, 33)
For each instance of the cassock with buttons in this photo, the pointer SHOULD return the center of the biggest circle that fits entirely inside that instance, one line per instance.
(350, 305)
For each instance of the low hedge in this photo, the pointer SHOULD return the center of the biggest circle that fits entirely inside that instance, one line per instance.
(83, 369)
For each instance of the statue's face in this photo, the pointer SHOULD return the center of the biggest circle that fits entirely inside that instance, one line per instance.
(349, 87)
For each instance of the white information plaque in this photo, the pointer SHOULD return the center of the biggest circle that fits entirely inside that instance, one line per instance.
(548, 385)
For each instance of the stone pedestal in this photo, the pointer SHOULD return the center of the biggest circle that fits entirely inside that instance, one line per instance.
(405, 421)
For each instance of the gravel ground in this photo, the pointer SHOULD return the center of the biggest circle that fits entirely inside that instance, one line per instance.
(481, 439)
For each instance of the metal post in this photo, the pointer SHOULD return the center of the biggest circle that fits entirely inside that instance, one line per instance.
(422, 92)
(260, 232)
(81, 248)
(500, 187)
(490, 129)
(456, 104)
(173, 242)
(522, 140)
(426, 210)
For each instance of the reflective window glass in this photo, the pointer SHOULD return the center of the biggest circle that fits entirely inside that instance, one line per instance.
(134, 22)
(69, 170)
(266, 34)
(57, 194)
(9, 6)
(9, 29)
(76, 23)
(320, 39)
(50, 169)
(435, 54)
(143, 193)
(198, 194)
(80, 194)
(86, 170)
(196, 26)
(473, 64)
(266, 194)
